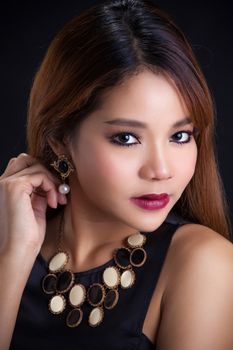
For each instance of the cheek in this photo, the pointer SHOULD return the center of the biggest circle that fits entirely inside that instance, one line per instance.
(185, 165)
(101, 166)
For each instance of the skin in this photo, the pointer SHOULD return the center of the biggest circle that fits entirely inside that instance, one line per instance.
(99, 213)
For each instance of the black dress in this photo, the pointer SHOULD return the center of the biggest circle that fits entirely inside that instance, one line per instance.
(121, 329)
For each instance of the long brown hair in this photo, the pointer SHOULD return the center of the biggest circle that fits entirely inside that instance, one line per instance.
(99, 49)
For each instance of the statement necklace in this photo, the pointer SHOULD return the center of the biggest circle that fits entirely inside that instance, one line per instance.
(61, 284)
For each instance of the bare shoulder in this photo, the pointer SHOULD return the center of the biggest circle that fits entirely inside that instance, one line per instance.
(197, 304)
(196, 247)
(194, 242)
(200, 235)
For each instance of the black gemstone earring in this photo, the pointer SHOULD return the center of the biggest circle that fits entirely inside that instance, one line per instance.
(64, 167)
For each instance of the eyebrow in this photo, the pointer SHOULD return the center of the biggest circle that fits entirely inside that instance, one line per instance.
(138, 124)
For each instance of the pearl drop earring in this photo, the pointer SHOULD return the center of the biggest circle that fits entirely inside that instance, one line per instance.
(64, 167)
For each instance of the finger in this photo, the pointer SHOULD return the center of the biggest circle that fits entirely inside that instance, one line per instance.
(11, 160)
(39, 168)
(33, 166)
(39, 205)
(47, 189)
(19, 163)
(38, 197)
(27, 184)
(61, 198)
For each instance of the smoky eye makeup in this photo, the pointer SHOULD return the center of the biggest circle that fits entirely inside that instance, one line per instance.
(128, 138)
(122, 137)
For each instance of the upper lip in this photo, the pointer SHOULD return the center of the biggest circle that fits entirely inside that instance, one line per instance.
(153, 196)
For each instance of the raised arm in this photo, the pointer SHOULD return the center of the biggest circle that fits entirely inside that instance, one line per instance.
(15, 268)
(22, 231)
(198, 302)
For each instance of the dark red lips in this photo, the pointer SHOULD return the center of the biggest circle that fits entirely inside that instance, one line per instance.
(153, 196)
(152, 201)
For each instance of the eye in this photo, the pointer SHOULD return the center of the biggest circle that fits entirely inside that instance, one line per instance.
(183, 136)
(123, 138)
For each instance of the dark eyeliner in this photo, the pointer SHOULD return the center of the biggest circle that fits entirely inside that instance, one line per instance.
(190, 133)
(112, 138)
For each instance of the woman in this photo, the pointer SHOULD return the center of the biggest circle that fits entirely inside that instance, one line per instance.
(114, 226)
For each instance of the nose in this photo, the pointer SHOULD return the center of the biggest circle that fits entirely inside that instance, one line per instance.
(157, 165)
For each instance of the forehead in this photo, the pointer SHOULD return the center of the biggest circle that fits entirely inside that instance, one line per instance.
(142, 92)
(147, 101)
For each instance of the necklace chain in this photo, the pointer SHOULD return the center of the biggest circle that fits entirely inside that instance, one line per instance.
(60, 233)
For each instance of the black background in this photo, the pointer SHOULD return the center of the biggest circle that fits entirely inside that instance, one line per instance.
(27, 28)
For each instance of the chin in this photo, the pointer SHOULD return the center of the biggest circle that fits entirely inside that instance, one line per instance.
(149, 225)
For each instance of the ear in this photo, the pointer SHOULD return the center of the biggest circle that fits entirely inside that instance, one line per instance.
(58, 147)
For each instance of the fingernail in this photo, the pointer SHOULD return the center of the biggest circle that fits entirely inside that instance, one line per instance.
(62, 199)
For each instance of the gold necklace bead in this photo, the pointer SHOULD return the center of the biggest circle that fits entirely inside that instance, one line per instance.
(49, 283)
(138, 257)
(57, 304)
(111, 277)
(58, 261)
(96, 316)
(95, 294)
(74, 317)
(111, 298)
(77, 295)
(65, 281)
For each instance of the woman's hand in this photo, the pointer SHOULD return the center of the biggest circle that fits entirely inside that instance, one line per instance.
(26, 188)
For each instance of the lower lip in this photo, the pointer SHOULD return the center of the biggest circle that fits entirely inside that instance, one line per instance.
(151, 204)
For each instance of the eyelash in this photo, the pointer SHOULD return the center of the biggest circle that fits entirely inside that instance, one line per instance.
(190, 133)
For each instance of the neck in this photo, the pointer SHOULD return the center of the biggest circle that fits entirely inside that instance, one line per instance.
(89, 240)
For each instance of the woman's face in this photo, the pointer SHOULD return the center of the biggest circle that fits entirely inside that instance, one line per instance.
(115, 161)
